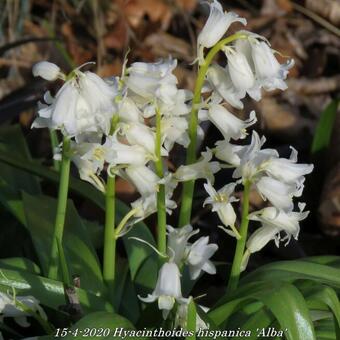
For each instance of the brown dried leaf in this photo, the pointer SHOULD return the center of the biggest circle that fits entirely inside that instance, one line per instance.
(163, 44)
(156, 10)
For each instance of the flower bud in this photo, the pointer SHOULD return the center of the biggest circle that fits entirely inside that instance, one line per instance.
(46, 70)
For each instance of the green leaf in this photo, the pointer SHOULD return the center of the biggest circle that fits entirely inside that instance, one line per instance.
(329, 298)
(284, 301)
(99, 323)
(20, 263)
(79, 252)
(290, 271)
(49, 292)
(323, 133)
(13, 142)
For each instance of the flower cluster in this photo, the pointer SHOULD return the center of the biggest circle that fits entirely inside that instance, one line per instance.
(180, 252)
(126, 125)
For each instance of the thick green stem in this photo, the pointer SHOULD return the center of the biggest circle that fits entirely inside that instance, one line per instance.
(161, 207)
(241, 243)
(109, 261)
(61, 209)
(188, 187)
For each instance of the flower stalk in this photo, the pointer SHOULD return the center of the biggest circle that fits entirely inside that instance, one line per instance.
(109, 257)
(188, 187)
(241, 243)
(161, 204)
(61, 209)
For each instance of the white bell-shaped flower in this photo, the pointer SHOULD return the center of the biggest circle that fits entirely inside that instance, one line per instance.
(201, 169)
(279, 194)
(229, 125)
(150, 80)
(143, 178)
(123, 154)
(85, 103)
(221, 203)
(268, 70)
(129, 112)
(287, 170)
(215, 27)
(167, 290)
(140, 134)
(241, 74)
(220, 81)
(198, 257)
(274, 223)
(178, 242)
(47, 70)
(227, 152)
(11, 306)
(174, 130)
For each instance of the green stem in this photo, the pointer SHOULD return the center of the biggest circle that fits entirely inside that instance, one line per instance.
(241, 243)
(161, 207)
(61, 209)
(109, 262)
(54, 144)
(188, 187)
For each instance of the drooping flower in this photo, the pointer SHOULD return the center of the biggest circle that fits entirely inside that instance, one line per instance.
(268, 70)
(228, 153)
(274, 223)
(220, 81)
(278, 193)
(150, 80)
(241, 74)
(143, 178)
(215, 27)
(287, 170)
(229, 125)
(167, 290)
(85, 103)
(174, 130)
(47, 70)
(178, 242)
(201, 169)
(198, 257)
(14, 307)
(221, 203)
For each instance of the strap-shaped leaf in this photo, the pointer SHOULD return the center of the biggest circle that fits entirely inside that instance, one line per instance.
(49, 292)
(290, 271)
(79, 252)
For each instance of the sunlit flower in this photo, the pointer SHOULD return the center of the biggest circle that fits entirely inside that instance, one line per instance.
(221, 203)
(220, 81)
(198, 257)
(215, 27)
(274, 223)
(174, 130)
(167, 290)
(85, 103)
(150, 80)
(47, 70)
(201, 169)
(269, 72)
(229, 125)
(241, 74)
